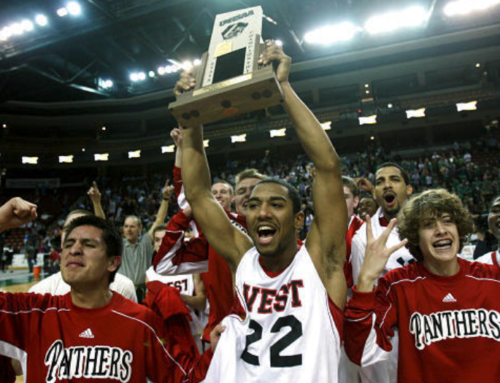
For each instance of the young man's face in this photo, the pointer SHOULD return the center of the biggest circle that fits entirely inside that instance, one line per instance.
(391, 191)
(350, 200)
(223, 195)
(367, 207)
(270, 219)
(159, 234)
(494, 218)
(243, 192)
(439, 240)
(131, 229)
(84, 262)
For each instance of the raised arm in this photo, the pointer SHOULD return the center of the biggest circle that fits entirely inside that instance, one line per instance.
(16, 212)
(95, 197)
(162, 211)
(198, 301)
(367, 336)
(326, 239)
(227, 240)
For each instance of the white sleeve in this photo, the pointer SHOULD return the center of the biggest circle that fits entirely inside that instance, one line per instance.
(358, 248)
(124, 286)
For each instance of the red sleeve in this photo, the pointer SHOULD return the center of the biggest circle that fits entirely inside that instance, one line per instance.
(360, 323)
(187, 364)
(15, 316)
(176, 256)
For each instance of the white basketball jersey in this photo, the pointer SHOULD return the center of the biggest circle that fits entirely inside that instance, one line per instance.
(184, 282)
(285, 330)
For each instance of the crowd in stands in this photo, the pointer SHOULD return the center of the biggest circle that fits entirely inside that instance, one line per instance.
(469, 169)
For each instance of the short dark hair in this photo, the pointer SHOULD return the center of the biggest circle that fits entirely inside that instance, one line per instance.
(80, 212)
(432, 204)
(351, 184)
(110, 236)
(292, 192)
(403, 172)
(492, 202)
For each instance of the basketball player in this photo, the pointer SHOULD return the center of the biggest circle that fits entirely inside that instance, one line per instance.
(445, 309)
(89, 333)
(392, 190)
(287, 314)
(177, 256)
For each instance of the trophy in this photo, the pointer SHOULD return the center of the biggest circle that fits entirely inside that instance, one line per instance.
(229, 80)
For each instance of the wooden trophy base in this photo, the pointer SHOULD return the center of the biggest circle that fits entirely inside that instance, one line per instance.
(238, 95)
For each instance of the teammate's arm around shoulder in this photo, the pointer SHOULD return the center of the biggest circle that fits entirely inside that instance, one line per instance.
(228, 241)
(326, 239)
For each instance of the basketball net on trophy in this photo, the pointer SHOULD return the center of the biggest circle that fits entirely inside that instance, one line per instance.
(229, 80)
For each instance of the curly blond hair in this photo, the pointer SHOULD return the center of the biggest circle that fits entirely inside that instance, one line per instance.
(432, 204)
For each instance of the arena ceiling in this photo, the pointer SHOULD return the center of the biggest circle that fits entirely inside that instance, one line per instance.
(51, 76)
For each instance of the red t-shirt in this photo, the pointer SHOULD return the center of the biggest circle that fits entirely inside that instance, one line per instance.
(449, 327)
(120, 341)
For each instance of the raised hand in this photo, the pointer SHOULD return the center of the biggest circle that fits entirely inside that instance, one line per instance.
(16, 212)
(274, 53)
(185, 83)
(376, 255)
(94, 193)
(168, 190)
(176, 135)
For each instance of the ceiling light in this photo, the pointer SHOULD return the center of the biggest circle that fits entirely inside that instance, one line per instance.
(187, 65)
(278, 132)
(417, 113)
(27, 25)
(17, 29)
(101, 157)
(240, 138)
(332, 34)
(141, 76)
(103, 128)
(168, 149)
(74, 8)
(41, 20)
(196, 62)
(389, 106)
(326, 125)
(367, 120)
(464, 7)
(278, 43)
(61, 12)
(4, 126)
(134, 154)
(388, 22)
(206, 143)
(472, 105)
(161, 71)
(66, 159)
(29, 160)
(134, 77)
(151, 74)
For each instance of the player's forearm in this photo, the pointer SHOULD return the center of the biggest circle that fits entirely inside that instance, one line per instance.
(311, 135)
(98, 210)
(195, 172)
(196, 302)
